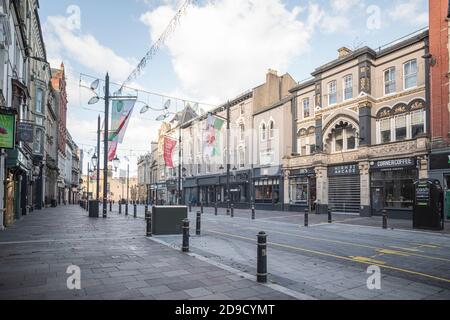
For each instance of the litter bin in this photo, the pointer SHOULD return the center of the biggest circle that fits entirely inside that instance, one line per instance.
(93, 209)
(428, 205)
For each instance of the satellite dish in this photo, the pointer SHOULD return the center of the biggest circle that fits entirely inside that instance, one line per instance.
(145, 109)
(167, 104)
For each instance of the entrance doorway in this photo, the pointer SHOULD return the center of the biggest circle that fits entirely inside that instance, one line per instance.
(377, 200)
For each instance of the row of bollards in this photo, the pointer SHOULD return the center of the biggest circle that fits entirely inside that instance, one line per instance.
(261, 273)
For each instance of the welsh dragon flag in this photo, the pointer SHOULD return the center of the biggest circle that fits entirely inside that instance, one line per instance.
(120, 118)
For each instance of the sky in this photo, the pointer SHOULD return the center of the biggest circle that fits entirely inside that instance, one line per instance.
(218, 50)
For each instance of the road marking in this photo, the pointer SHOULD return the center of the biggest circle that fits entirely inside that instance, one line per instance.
(353, 244)
(334, 256)
(368, 260)
(393, 252)
(406, 249)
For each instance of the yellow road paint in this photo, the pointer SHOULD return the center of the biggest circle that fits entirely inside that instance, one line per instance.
(368, 260)
(350, 244)
(406, 249)
(393, 252)
(363, 261)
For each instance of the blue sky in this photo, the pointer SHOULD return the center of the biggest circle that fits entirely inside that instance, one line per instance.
(220, 48)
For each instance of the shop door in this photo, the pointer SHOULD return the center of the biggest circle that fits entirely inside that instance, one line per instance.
(312, 195)
(377, 200)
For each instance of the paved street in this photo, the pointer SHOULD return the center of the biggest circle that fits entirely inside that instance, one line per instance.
(330, 261)
(116, 261)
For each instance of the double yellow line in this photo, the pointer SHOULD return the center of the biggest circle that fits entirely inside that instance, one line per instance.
(351, 259)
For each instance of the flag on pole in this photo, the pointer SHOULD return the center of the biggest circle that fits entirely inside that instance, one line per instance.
(212, 136)
(169, 147)
(120, 118)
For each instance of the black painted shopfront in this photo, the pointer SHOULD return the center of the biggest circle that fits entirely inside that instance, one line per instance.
(392, 186)
(302, 190)
(269, 189)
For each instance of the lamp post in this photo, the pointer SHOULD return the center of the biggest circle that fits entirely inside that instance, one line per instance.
(94, 163)
(98, 159)
(88, 182)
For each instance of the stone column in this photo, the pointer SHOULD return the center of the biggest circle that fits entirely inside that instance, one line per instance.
(423, 167)
(287, 190)
(364, 169)
(322, 189)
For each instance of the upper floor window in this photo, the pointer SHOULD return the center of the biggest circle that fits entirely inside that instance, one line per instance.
(241, 158)
(348, 87)
(343, 138)
(242, 131)
(332, 93)
(39, 96)
(263, 132)
(306, 141)
(389, 81)
(410, 74)
(306, 109)
(271, 130)
(402, 122)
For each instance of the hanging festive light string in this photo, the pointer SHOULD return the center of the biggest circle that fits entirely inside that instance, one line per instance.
(158, 44)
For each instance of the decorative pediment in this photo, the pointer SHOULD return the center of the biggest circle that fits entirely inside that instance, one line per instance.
(400, 109)
(384, 113)
(417, 104)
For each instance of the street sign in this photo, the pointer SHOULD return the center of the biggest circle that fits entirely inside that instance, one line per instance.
(7, 131)
(26, 132)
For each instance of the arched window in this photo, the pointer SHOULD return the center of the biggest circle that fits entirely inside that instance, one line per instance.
(242, 131)
(342, 137)
(263, 131)
(271, 129)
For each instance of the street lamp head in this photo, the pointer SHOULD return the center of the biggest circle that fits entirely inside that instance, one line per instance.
(116, 163)
(94, 161)
(145, 109)
(162, 117)
(94, 100)
(94, 85)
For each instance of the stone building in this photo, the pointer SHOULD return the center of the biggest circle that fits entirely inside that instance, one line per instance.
(361, 131)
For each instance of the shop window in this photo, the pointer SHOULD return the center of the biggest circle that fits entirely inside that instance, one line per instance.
(400, 128)
(398, 187)
(417, 123)
(299, 190)
(389, 81)
(410, 74)
(267, 191)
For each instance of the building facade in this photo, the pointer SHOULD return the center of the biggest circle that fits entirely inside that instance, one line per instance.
(362, 125)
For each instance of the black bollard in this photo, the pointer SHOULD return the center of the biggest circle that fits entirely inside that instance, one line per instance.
(110, 206)
(126, 209)
(330, 217)
(215, 209)
(306, 218)
(198, 224)
(262, 258)
(185, 247)
(120, 207)
(145, 210)
(148, 218)
(253, 212)
(232, 210)
(385, 219)
(135, 210)
(201, 208)
(190, 207)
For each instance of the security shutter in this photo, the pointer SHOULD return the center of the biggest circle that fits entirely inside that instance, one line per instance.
(345, 194)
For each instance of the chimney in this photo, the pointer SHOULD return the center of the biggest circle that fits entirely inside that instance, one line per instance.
(343, 52)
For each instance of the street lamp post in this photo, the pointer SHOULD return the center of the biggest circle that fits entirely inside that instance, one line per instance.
(105, 155)
(88, 182)
(98, 160)
(228, 157)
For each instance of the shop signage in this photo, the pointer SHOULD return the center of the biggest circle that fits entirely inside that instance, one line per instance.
(440, 161)
(344, 170)
(422, 195)
(7, 131)
(394, 164)
(26, 132)
(303, 172)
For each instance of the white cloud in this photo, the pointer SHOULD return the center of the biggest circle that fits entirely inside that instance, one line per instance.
(410, 11)
(225, 47)
(62, 39)
(344, 5)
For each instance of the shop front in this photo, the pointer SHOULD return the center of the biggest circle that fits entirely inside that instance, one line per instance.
(268, 188)
(172, 192)
(302, 190)
(392, 186)
(19, 171)
(344, 188)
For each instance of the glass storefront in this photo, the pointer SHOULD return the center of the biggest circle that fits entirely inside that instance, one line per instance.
(267, 191)
(395, 187)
